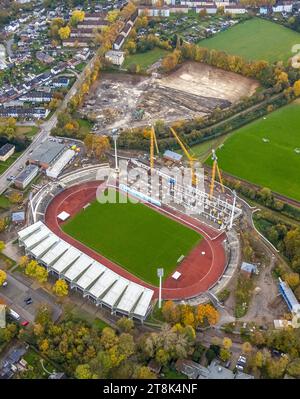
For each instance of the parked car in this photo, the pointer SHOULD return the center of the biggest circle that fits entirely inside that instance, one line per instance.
(28, 301)
(4, 284)
(25, 323)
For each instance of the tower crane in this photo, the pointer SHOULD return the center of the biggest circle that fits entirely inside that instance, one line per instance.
(153, 147)
(190, 157)
(215, 169)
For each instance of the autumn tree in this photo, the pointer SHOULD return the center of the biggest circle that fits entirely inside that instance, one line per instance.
(112, 15)
(170, 61)
(2, 224)
(2, 246)
(83, 372)
(64, 32)
(144, 373)
(125, 324)
(207, 313)
(3, 277)
(246, 347)
(97, 145)
(33, 269)
(76, 17)
(296, 88)
(170, 312)
(292, 279)
(108, 338)
(225, 354)
(276, 368)
(227, 343)
(60, 288)
(23, 261)
(294, 368)
(15, 197)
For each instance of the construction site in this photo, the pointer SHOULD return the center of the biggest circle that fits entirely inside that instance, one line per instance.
(193, 90)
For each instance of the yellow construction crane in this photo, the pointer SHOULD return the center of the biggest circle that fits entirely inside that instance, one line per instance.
(190, 157)
(153, 146)
(215, 169)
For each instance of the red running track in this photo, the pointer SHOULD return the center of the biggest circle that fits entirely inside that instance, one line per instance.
(200, 270)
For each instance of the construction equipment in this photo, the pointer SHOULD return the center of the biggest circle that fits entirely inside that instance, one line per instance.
(215, 169)
(192, 159)
(153, 146)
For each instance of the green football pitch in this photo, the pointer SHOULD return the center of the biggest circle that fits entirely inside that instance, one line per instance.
(263, 152)
(133, 235)
(255, 39)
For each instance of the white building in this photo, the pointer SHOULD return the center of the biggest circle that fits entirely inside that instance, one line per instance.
(115, 57)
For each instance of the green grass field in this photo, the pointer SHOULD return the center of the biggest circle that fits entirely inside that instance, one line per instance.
(134, 236)
(144, 59)
(272, 164)
(255, 39)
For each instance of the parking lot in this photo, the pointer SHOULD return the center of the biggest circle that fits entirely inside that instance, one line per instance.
(16, 292)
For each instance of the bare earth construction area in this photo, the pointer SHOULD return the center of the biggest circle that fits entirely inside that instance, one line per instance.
(195, 89)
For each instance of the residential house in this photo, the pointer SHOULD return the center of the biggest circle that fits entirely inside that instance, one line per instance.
(101, 23)
(36, 97)
(95, 16)
(76, 42)
(44, 57)
(215, 371)
(119, 42)
(21, 112)
(6, 151)
(88, 32)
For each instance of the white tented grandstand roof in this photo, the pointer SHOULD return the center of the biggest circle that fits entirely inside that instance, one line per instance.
(78, 267)
(36, 237)
(91, 275)
(143, 304)
(44, 246)
(115, 292)
(58, 166)
(103, 283)
(66, 260)
(30, 229)
(130, 297)
(98, 281)
(55, 252)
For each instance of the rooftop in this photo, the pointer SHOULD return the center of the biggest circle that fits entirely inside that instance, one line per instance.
(47, 152)
(6, 148)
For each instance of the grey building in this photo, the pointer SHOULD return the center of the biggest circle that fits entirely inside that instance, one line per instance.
(26, 176)
(46, 154)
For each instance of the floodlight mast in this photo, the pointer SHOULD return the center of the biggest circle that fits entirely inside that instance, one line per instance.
(115, 136)
(160, 274)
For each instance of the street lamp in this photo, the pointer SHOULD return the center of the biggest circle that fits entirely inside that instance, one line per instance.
(160, 274)
(115, 136)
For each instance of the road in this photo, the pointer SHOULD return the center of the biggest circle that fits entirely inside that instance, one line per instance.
(16, 291)
(44, 133)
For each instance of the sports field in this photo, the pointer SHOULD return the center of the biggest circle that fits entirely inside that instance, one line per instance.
(134, 236)
(255, 39)
(263, 152)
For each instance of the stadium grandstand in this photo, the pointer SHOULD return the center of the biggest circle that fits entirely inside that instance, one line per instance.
(95, 281)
